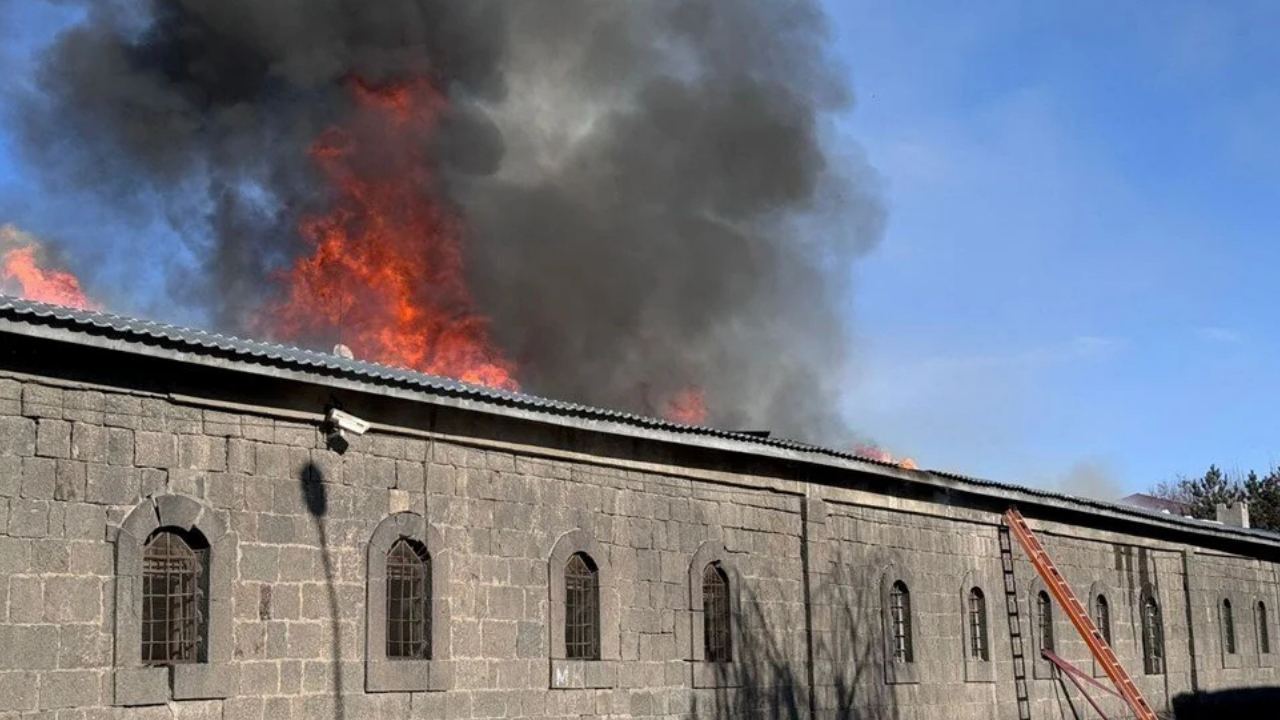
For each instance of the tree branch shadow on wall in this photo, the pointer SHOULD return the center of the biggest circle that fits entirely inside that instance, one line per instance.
(771, 667)
(316, 498)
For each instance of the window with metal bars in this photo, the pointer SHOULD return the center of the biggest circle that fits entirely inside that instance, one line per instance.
(581, 609)
(900, 622)
(1044, 618)
(1152, 637)
(1102, 617)
(1264, 633)
(978, 649)
(174, 597)
(716, 635)
(1228, 628)
(408, 601)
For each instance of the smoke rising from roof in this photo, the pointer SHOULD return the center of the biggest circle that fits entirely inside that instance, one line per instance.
(649, 202)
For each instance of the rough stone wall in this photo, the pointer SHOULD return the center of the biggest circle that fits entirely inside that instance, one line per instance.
(75, 461)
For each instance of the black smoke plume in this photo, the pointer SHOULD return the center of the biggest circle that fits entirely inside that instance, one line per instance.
(649, 199)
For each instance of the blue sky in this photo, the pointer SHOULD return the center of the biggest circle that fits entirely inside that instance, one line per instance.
(1077, 279)
(1075, 288)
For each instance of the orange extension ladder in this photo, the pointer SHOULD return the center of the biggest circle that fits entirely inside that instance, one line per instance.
(1061, 592)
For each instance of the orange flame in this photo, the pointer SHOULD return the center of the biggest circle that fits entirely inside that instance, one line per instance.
(879, 454)
(33, 282)
(386, 270)
(688, 406)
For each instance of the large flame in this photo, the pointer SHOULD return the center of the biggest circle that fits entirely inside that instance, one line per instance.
(22, 273)
(689, 406)
(385, 274)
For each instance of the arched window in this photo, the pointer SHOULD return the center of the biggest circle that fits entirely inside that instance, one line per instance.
(1228, 628)
(978, 649)
(716, 635)
(175, 587)
(174, 597)
(1102, 617)
(408, 601)
(1152, 637)
(581, 609)
(1044, 620)
(1264, 635)
(900, 622)
(406, 641)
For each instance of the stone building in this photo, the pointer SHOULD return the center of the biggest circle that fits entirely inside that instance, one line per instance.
(179, 537)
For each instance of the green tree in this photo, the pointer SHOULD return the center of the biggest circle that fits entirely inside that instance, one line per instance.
(1202, 495)
(1263, 495)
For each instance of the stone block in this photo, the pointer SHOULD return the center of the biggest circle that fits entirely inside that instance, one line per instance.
(410, 475)
(70, 689)
(26, 599)
(109, 485)
(531, 640)
(51, 555)
(28, 518)
(10, 475)
(259, 563)
(38, 477)
(70, 479)
(53, 438)
(18, 691)
(225, 490)
(259, 678)
(28, 647)
(15, 556)
(200, 710)
(89, 442)
(120, 448)
(272, 460)
(240, 456)
(41, 401)
(203, 681)
(276, 529)
(83, 405)
(243, 708)
(222, 424)
(141, 686)
(84, 646)
(155, 449)
(201, 452)
(73, 599)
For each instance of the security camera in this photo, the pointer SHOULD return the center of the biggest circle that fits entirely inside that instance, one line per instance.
(339, 424)
(347, 421)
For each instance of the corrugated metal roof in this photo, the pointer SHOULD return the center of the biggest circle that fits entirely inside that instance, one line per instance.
(133, 330)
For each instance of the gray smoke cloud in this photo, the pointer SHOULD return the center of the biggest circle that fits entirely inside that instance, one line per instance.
(649, 200)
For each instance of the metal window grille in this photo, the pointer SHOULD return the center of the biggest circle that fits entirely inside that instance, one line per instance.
(408, 601)
(173, 597)
(1228, 628)
(1102, 617)
(1045, 614)
(1264, 636)
(581, 609)
(900, 619)
(717, 639)
(1152, 638)
(978, 625)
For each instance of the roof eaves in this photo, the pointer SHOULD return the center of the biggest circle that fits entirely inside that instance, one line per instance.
(26, 317)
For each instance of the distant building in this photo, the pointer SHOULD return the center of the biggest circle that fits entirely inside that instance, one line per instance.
(1156, 504)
